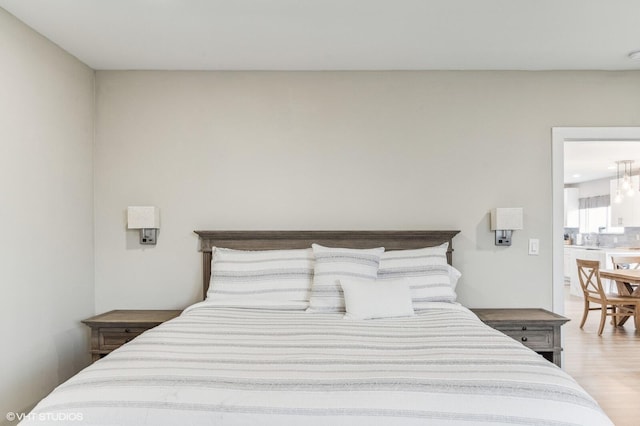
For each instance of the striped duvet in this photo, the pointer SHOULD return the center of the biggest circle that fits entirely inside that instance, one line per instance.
(226, 366)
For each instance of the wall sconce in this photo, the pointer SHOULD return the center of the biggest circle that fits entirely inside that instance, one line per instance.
(504, 221)
(147, 220)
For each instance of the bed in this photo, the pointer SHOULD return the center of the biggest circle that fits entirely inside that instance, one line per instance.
(221, 364)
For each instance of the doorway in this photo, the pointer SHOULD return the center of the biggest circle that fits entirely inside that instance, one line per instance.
(560, 135)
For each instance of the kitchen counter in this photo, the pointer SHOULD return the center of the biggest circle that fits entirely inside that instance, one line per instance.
(606, 248)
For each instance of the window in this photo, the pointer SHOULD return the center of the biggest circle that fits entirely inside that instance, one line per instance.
(595, 216)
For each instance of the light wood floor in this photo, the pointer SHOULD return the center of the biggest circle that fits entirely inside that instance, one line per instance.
(608, 367)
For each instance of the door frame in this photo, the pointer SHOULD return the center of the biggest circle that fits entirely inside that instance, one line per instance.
(560, 135)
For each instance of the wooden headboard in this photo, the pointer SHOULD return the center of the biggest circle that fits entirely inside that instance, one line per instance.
(273, 240)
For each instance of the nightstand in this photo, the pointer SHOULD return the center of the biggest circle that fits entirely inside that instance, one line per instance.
(537, 329)
(113, 329)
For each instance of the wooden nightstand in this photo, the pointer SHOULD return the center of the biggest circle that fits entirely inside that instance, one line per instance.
(113, 329)
(537, 329)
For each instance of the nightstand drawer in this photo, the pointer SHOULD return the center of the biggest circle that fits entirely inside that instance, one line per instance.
(113, 338)
(534, 338)
(113, 329)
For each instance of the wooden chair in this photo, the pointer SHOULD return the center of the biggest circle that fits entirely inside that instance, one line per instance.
(625, 262)
(624, 288)
(620, 306)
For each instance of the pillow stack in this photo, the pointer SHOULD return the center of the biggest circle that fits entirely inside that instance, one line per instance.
(366, 283)
(425, 269)
(335, 264)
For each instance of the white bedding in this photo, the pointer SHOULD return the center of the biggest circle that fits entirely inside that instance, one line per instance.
(230, 366)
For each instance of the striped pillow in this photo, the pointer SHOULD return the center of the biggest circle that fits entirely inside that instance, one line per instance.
(333, 264)
(426, 270)
(273, 275)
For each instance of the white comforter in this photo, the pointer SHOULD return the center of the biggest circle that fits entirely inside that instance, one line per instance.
(227, 366)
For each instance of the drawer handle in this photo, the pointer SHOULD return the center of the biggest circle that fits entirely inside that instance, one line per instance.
(524, 338)
(524, 328)
(126, 330)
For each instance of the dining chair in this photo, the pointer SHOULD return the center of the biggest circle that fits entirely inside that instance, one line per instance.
(625, 262)
(625, 288)
(612, 305)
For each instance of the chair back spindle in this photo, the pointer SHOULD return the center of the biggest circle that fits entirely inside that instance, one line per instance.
(589, 275)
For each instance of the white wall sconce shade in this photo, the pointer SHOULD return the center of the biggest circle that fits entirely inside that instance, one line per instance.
(147, 220)
(504, 221)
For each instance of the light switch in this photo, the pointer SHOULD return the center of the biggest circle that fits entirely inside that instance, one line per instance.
(534, 246)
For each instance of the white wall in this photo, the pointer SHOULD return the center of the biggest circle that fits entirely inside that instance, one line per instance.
(46, 215)
(336, 150)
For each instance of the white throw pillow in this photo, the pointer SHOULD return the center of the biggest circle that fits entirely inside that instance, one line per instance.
(334, 264)
(273, 275)
(427, 271)
(377, 299)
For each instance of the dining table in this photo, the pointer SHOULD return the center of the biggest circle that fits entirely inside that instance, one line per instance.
(627, 281)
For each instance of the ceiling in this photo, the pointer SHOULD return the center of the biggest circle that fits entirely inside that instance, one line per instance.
(340, 34)
(585, 161)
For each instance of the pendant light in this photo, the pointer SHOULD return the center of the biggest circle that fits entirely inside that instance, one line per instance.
(624, 184)
(625, 177)
(630, 191)
(618, 197)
